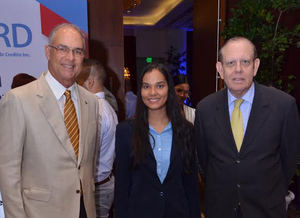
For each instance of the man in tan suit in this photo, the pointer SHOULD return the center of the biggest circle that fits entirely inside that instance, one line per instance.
(43, 174)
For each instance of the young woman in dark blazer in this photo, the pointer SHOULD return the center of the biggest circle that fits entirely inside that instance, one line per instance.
(156, 175)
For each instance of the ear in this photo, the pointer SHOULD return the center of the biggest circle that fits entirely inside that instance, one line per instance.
(91, 82)
(47, 52)
(256, 65)
(220, 69)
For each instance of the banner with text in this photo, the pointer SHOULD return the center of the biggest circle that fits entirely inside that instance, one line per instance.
(24, 31)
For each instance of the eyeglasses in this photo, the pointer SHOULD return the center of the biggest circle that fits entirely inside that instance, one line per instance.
(243, 63)
(64, 50)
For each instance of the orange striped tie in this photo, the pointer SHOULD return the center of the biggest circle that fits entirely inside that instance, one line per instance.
(71, 122)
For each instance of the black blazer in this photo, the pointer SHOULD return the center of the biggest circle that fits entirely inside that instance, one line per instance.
(139, 192)
(257, 177)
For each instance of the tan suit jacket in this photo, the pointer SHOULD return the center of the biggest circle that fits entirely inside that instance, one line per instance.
(39, 174)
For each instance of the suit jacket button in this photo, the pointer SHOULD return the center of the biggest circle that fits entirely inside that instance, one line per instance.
(237, 161)
(161, 194)
(238, 185)
(79, 167)
(77, 191)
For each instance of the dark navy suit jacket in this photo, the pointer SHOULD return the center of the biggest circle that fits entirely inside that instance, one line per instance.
(256, 178)
(139, 192)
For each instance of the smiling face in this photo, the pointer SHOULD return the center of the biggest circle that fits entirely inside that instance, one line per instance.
(65, 67)
(154, 91)
(238, 66)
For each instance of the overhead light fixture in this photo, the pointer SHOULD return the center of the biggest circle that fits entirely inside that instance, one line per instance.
(154, 16)
(128, 5)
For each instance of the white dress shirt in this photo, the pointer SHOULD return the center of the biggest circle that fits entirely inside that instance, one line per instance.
(189, 113)
(59, 90)
(106, 140)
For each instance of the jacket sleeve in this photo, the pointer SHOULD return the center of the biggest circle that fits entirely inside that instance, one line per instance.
(191, 186)
(122, 171)
(12, 134)
(290, 141)
(200, 143)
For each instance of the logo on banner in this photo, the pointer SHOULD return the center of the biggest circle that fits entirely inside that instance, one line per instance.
(0, 94)
(17, 29)
(16, 35)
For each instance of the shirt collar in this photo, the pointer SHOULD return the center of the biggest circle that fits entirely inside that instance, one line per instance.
(248, 96)
(166, 129)
(100, 95)
(58, 89)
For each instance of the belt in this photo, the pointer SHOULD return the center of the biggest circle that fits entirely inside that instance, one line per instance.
(105, 180)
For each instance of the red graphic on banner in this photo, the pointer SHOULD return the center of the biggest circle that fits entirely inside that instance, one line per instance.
(49, 20)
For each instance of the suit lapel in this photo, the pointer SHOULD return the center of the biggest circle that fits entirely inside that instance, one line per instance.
(174, 154)
(50, 108)
(83, 111)
(223, 119)
(259, 112)
(151, 162)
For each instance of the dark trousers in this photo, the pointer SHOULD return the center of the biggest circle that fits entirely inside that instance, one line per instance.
(82, 209)
(239, 212)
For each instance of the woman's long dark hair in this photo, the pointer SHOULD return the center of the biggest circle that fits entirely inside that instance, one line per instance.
(182, 129)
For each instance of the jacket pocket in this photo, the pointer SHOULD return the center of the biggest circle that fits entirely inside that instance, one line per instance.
(38, 194)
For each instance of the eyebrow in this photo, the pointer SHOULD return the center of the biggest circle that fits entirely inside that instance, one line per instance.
(69, 47)
(160, 82)
(238, 59)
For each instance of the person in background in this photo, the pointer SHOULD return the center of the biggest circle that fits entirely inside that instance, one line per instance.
(21, 79)
(130, 100)
(247, 137)
(111, 99)
(48, 137)
(92, 77)
(182, 89)
(156, 173)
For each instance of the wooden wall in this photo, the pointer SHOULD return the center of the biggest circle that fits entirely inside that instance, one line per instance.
(106, 43)
(205, 21)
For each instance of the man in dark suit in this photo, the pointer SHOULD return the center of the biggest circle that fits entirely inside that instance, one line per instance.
(247, 150)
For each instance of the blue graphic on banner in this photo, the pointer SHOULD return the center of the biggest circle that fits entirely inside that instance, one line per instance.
(74, 11)
(16, 29)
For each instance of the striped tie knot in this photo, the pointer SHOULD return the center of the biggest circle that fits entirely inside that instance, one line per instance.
(67, 94)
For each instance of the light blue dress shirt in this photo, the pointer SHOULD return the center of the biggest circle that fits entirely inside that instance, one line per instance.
(161, 145)
(245, 106)
(130, 104)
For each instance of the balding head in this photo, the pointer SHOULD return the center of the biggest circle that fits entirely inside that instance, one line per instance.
(235, 39)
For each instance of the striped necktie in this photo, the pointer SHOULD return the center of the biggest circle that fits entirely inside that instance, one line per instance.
(71, 122)
(237, 124)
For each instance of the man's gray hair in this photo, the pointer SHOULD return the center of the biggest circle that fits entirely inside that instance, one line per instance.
(63, 25)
